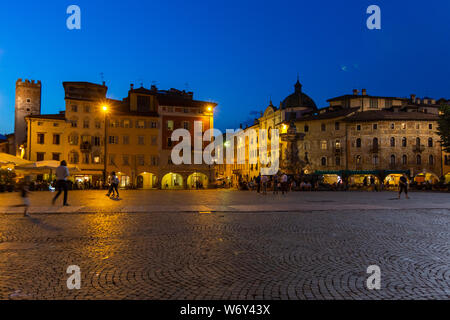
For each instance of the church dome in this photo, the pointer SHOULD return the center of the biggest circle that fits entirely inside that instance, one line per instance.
(298, 100)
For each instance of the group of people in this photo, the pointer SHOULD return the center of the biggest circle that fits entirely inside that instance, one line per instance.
(61, 186)
(279, 183)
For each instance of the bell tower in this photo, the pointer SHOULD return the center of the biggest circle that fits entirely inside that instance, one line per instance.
(28, 102)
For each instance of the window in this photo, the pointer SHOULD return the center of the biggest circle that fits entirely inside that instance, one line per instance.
(86, 157)
(126, 123)
(112, 159)
(374, 103)
(40, 156)
(358, 159)
(323, 145)
(169, 142)
(73, 139)
(113, 140)
(338, 144)
(154, 160)
(387, 103)
(86, 124)
(358, 143)
(56, 139)
(154, 140)
(323, 161)
(392, 160)
(74, 108)
(447, 160)
(140, 160)
(392, 142)
(40, 138)
(375, 142)
(404, 159)
(323, 127)
(186, 125)
(430, 142)
(141, 140)
(74, 123)
(375, 126)
(40, 123)
(170, 125)
(306, 128)
(375, 160)
(28, 100)
(126, 160)
(417, 126)
(338, 161)
(417, 141)
(126, 140)
(87, 109)
(98, 124)
(96, 141)
(55, 124)
(96, 158)
(418, 159)
(392, 126)
(114, 124)
(431, 160)
(404, 142)
(358, 127)
(154, 124)
(430, 126)
(337, 126)
(73, 157)
(403, 126)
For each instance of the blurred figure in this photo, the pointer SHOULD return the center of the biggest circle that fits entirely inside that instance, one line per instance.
(62, 172)
(114, 185)
(24, 192)
(403, 186)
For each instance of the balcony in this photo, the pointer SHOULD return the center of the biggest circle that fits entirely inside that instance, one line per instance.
(418, 148)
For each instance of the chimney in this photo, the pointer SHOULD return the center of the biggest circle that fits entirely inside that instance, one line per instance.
(131, 86)
(364, 92)
(413, 98)
(355, 92)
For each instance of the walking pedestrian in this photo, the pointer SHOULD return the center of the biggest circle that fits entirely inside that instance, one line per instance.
(403, 186)
(114, 185)
(264, 180)
(258, 183)
(275, 184)
(62, 172)
(24, 192)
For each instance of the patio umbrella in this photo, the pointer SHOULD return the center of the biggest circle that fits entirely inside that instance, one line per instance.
(6, 159)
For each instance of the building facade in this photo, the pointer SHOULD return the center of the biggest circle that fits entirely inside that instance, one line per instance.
(130, 137)
(356, 137)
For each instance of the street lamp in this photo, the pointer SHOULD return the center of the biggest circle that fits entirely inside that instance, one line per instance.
(105, 112)
(210, 110)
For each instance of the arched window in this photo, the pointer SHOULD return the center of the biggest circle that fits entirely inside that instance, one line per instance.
(306, 128)
(358, 143)
(392, 160)
(417, 141)
(392, 142)
(375, 142)
(419, 159)
(431, 160)
(404, 141)
(358, 159)
(338, 161)
(404, 159)
(324, 161)
(375, 159)
(430, 142)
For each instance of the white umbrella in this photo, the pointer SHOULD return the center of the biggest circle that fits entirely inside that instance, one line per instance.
(45, 165)
(6, 159)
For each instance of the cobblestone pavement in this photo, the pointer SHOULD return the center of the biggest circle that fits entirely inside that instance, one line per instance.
(227, 255)
(224, 201)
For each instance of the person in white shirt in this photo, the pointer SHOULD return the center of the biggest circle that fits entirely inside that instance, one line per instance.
(62, 172)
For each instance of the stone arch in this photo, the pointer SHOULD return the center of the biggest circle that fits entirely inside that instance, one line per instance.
(147, 180)
(197, 180)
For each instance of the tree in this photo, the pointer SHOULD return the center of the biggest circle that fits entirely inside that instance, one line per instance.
(444, 127)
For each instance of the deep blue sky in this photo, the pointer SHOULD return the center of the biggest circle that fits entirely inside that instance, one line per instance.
(236, 53)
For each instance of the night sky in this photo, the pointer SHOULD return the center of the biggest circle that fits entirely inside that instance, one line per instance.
(236, 53)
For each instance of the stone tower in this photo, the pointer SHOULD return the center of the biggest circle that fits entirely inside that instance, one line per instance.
(28, 102)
